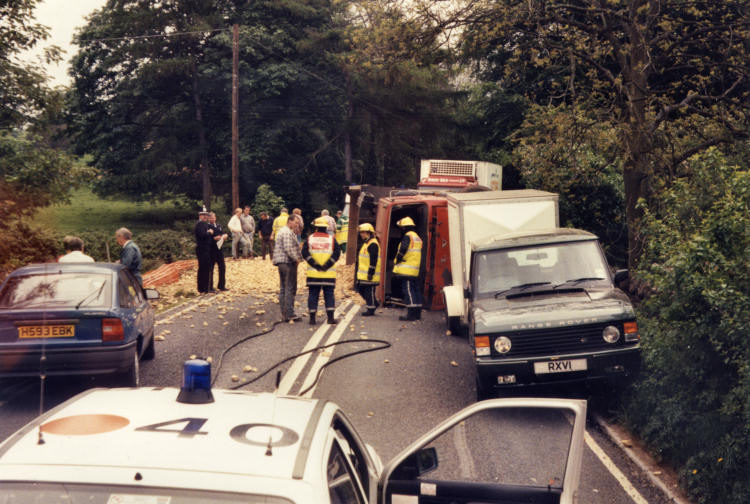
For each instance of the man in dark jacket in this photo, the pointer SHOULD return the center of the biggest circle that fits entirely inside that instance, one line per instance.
(265, 230)
(217, 254)
(203, 243)
(131, 254)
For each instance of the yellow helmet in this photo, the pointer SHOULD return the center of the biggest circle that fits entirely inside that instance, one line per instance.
(320, 222)
(367, 227)
(406, 221)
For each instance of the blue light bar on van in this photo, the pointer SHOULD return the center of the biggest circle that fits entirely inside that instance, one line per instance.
(196, 382)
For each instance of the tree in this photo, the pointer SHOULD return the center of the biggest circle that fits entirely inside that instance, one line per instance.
(673, 76)
(563, 150)
(267, 201)
(23, 87)
(140, 96)
(398, 92)
(152, 91)
(32, 176)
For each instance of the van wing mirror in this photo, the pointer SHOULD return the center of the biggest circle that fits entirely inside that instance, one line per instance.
(417, 464)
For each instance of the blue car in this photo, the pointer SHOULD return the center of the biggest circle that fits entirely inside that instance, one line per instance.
(74, 319)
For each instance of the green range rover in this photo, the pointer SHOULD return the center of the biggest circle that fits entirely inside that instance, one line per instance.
(544, 308)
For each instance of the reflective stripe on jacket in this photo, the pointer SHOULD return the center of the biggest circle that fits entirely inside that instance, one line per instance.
(320, 247)
(364, 263)
(409, 266)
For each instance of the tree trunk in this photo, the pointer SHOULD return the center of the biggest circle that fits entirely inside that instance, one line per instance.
(205, 172)
(638, 130)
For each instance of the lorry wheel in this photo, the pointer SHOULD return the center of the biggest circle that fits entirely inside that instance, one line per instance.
(453, 324)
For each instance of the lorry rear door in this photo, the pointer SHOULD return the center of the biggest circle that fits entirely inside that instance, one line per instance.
(438, 258)
(390, 236)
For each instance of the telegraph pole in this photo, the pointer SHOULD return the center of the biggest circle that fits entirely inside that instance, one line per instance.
(235, 113)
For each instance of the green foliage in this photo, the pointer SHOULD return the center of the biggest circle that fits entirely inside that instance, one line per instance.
(563, 150)
(33, 176)
(692, 402)
(485, 121)
(23, 87)
(22, 244)
(398, 93)
(267, 201)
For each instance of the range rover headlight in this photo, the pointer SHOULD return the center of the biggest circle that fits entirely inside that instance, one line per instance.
(611, 334)
(502, 344)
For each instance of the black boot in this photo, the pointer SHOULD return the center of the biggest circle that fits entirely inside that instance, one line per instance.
(410, 315)
(418, 313)
(369, 312)
(331, 320)
(312, 318)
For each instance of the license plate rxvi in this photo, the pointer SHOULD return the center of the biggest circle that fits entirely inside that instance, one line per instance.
(560, 366)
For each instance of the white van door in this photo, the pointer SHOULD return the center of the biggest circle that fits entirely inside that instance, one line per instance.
(496, 452)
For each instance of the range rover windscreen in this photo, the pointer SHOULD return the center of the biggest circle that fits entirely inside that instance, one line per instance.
(554, 266)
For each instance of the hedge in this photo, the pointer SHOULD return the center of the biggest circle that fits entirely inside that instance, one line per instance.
(692, 401)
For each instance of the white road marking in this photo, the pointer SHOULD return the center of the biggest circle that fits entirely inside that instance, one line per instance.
(287, 382)
(612, 468)
(324, 357)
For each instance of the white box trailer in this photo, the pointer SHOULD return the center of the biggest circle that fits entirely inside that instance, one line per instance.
(476, 216)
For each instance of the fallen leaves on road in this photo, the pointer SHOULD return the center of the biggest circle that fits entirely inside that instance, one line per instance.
(250, 276)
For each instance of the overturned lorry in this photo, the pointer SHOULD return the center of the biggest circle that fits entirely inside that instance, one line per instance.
(383, 207)
(538, 302)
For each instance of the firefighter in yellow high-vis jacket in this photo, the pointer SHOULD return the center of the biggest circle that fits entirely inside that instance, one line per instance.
(321, 251)
(406, 267)
(368, 268)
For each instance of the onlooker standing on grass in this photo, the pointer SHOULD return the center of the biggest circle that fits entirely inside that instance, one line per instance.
(248, 231)
(265, 230)
(235, 227)
(130, 256)
(217, 255)
(203, 243)
(74, 251)
(286, 256)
